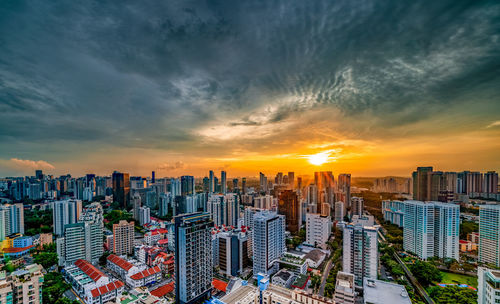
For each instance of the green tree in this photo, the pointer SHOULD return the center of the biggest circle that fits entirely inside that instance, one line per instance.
(53, 288)
(425, 272)
(46, 259)
(452, 295)
(467, 227)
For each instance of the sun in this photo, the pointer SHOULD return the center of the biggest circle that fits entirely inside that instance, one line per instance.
(319, 158)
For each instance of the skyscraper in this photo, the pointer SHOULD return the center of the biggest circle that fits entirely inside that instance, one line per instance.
(268, 242)
(123, 238)
(39, 174)
(357, 205)
(223, 182)
(84, 239)
(263, 182)
(121, 188)
(291, 179)
(339, 211)
(420, 183)
(193, 257)
(136, 204)
(344, 186)
(318, 229)
(187, 185)
(64, 213)
(431, 229)
(360, 252)
(211, 182)
(92, 217)
(288, 205)
(13, 214)
(490, 182)
(488, 287)
(489, 234)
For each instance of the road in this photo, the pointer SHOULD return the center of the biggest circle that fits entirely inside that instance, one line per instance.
(328, 267)
(408, 273)
(414, 281)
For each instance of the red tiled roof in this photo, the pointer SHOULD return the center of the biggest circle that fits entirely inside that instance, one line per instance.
(145, 273)
(89, 269)
(106, 288)
(17, 249)
(125, 265)
(163, 290)
(219, 285)
(162, 241)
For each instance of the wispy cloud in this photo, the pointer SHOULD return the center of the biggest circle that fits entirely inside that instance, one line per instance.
(494, 124)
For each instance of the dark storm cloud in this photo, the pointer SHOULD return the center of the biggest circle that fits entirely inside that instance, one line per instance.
(151, 73)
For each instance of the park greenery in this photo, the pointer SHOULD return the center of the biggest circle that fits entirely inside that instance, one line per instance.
(452, 295)
(467, 227)
(46, 256)
(114, 216)
(53, 288)
(37, 221)
(425, 272)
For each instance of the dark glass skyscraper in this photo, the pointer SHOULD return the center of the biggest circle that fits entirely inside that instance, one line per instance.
(121, 188)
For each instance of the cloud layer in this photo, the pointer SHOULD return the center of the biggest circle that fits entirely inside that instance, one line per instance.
(83, 80)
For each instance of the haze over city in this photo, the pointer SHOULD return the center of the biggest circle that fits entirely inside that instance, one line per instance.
(370, 88)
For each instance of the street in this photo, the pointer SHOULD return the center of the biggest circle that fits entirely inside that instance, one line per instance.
(325, 276)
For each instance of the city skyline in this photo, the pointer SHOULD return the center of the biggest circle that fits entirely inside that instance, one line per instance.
(373, 89)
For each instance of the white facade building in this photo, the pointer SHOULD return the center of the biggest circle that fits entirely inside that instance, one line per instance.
(318, 229)
(488, 287)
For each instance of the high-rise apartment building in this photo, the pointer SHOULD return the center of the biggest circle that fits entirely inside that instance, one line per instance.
(431, 229)
(360, 252)
(84, 239)
(420, 183)
(121, 188)
(187, 185)
(123, 238)
(268, 242)
(265, 202)
(233, 252)
(345, 291)
(344, 186)
(23, 286)
(318, 229)
(92, 217)
(490, 182)
(262, 182)
(144, 216)
(489, 234)
(488, 286)
(193, 257)
(358, 205)
(393, 212)
(288, 205)
(223, 182)
(339, 211)
(211, 185)
(13, 216)
(64, 213)
(224, 209)
(291, 179)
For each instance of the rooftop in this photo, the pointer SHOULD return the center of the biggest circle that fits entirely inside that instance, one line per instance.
(315, 255)
(380, 292)
(106, 288)
(123, 264)
(89, 269)
(146, 273)
(163, 290)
